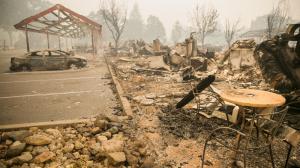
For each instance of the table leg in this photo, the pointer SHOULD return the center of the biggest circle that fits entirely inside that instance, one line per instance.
(238, 137)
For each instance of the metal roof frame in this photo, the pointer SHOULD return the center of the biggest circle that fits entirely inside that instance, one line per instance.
(60, 21)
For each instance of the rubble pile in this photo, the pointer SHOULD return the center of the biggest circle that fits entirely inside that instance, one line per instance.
(153, 90)
(135, 48)
(101, 143)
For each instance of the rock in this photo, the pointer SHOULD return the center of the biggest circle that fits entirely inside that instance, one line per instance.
(150, 96)
(68, 147)
(147, 102)
(239, 164)
(8, 142)
(95, 130)
(2, 165)
(142, 151)
(85, 151)
(132, 160)
(3, 149)
(101, 138)
(95, 148)
(102, 124)
(76, 155)
(90, 163)
(118, 136)
(25, 157)
(107, 134)
(85, 157)
(39, 149)
(43, 157)
(78, 145)
(15, 149)
(29, 148)
(111, 146)
(33, 129)
(69, 156)
(113, 130)
(54, 132)
(17, 135)
(116, 157)
(38, 140)
(54, 165)
(149, 162)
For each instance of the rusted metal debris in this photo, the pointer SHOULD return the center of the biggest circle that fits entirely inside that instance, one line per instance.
(58, 20)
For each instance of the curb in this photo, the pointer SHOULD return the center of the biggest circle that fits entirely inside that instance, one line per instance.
(124, 101)
(44, 124)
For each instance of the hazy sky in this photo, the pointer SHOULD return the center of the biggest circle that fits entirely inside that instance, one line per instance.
(171, 10)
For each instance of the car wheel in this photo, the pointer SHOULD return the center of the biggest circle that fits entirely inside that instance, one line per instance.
(73, 66)
(25, 68)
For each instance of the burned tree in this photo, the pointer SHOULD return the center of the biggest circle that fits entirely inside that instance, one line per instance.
(205, 21)
(231, 29)
(115, 17)
(276, 19)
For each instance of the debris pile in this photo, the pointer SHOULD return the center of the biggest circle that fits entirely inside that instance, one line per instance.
(240, 54)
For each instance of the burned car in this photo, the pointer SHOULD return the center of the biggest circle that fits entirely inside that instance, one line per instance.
(46, 60)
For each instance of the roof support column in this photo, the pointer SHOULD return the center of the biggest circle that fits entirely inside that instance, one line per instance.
(48, 44)
(27, 40)
(66, 43)
(59, 43)
(93, 45)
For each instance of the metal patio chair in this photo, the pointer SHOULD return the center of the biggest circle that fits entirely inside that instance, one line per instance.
(266, 126)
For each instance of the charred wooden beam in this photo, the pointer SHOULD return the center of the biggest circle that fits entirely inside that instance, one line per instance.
(198, 89)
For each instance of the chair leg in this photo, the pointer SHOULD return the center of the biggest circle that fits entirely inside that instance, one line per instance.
(203, 153)
(288, 155)
(244, 159)
(271, 155)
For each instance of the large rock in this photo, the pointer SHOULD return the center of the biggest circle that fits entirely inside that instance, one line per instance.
(15, 149)
(102, 124)
(116, 157)
(43, 157)
(17, 135)
(38, 140)
(111, 146)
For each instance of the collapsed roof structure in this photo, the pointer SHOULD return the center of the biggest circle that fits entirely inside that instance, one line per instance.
(60, 21)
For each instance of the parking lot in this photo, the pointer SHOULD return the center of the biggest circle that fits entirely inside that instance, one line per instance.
(40, 96)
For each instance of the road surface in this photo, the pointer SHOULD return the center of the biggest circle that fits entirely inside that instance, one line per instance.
(40, 96)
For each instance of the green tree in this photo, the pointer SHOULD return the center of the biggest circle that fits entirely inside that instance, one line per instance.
(177, 32)
(154, 29)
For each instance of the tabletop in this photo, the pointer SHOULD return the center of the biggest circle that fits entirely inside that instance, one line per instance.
(252, 98)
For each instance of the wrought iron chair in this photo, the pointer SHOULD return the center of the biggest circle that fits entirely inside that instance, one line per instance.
(266, 124)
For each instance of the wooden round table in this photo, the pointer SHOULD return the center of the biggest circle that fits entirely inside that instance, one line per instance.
(252, 98)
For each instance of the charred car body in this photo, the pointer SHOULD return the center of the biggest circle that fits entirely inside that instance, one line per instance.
(46, 60)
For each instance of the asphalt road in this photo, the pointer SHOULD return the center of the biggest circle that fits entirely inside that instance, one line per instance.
(27, 97)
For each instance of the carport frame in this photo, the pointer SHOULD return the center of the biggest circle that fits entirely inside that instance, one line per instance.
(64, 23)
